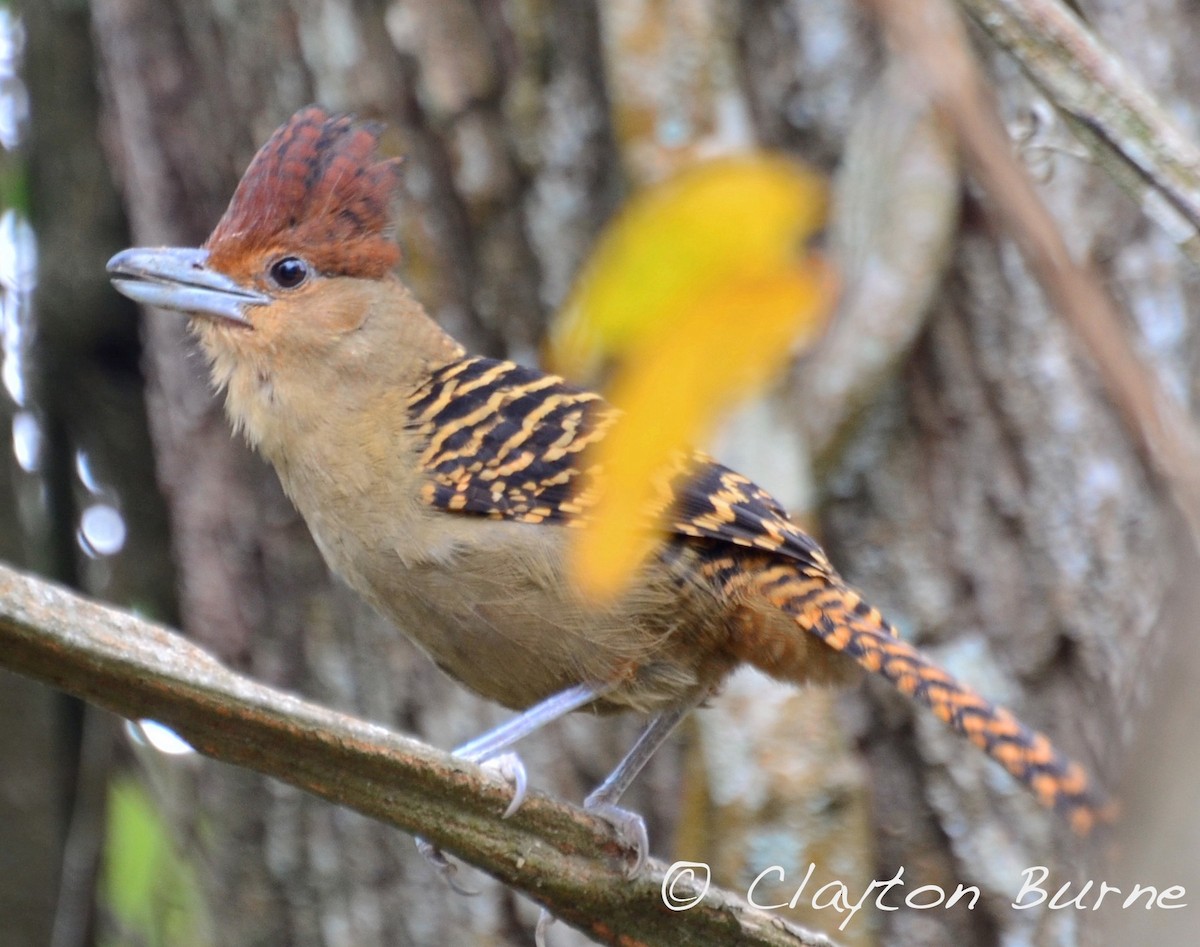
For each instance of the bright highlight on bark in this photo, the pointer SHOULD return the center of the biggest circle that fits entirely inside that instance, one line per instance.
(698, 294)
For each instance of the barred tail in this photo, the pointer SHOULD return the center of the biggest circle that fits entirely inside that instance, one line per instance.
(836, 614)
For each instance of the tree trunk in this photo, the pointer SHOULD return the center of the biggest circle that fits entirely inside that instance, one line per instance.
(77, 496)
(985, 495)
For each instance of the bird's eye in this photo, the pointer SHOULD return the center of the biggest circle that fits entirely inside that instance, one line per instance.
(289, 272)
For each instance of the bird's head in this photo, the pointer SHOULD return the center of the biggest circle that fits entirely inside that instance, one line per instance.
(294, 286)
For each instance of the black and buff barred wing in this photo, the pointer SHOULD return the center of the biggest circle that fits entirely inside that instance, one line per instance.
(714, 502)
(507, 442)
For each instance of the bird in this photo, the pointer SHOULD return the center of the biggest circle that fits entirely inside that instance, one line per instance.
(444, 488)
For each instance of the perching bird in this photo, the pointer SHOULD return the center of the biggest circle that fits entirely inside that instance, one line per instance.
(442, 486)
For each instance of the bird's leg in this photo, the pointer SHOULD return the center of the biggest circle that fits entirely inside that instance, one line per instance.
(603, 800)
(488, 745)
(488, 751)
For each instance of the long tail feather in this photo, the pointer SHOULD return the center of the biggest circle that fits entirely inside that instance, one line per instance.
(822, 605)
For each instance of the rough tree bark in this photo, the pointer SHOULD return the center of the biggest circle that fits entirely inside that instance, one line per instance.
(987, 496)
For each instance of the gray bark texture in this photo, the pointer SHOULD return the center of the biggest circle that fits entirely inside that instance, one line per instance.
(973, 479)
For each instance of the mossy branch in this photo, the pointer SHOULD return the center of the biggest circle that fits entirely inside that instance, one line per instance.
(560, 856)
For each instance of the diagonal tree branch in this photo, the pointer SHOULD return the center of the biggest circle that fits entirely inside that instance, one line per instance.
(929, 32)
(560, 856)
(1125, 128)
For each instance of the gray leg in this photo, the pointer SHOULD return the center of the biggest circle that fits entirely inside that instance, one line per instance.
(603, 800)
(488, 750)
(502, 737)
(660, 727)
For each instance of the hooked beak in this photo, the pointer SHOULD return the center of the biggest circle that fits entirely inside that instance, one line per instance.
(179, 278)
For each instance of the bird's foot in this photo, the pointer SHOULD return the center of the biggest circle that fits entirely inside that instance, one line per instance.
(508, 767)
(444, 867)
(630, 828)
(545, 919)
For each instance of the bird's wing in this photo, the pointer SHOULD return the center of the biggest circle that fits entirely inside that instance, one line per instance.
(507, 442)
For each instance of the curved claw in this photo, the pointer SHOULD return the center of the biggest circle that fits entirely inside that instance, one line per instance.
(508, 766)
(630, 827)
(444, 867)
(545, 919)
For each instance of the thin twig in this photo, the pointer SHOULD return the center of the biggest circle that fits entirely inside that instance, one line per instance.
(562, 857)
(933, 37)
(1124, 127)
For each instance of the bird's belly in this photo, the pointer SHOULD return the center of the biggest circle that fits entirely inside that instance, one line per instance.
(509, 626)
